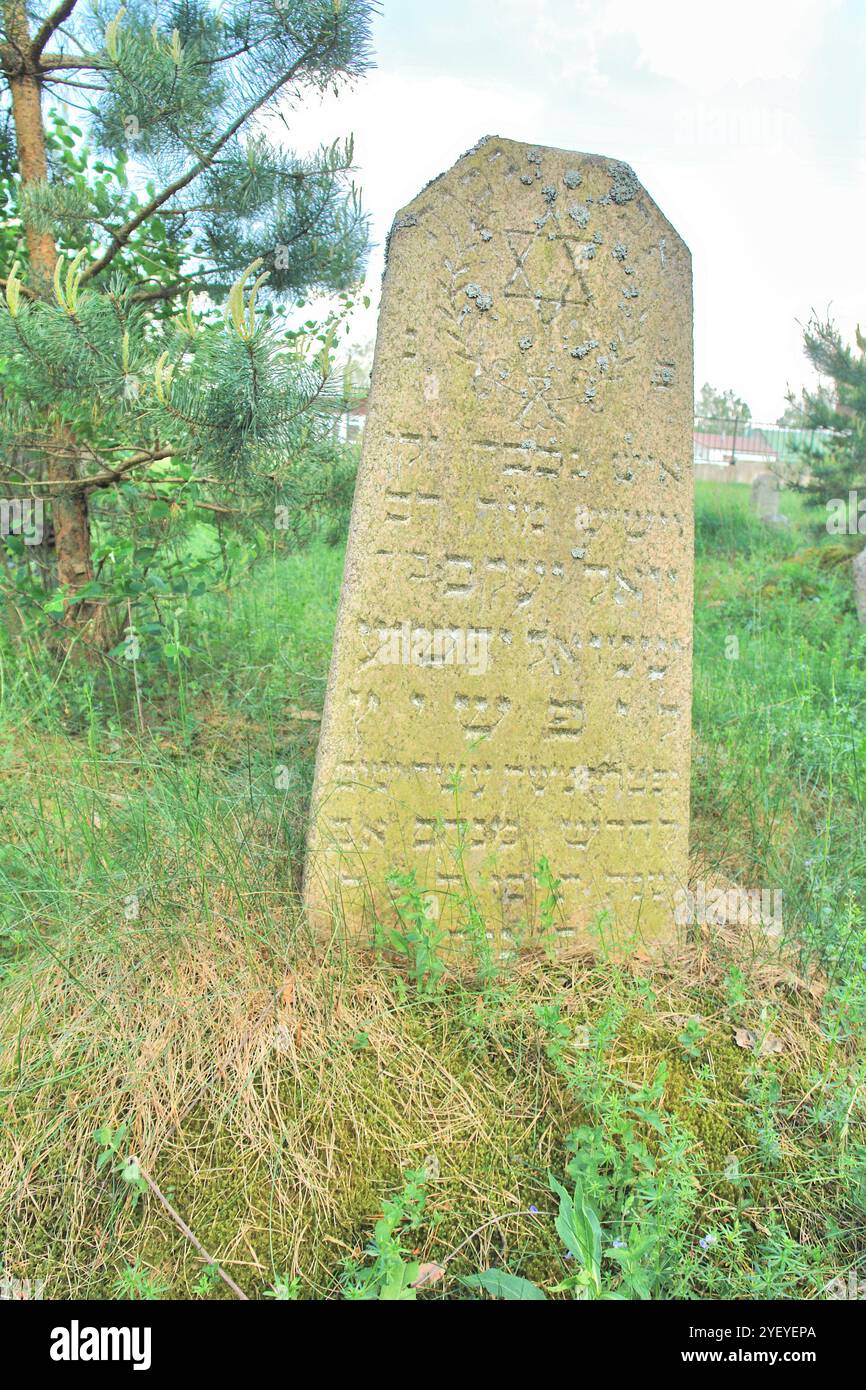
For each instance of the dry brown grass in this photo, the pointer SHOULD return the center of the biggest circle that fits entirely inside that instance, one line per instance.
(277, 1099)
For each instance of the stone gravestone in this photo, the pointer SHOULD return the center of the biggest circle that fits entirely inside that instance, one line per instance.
(858, 566)
(765, 499)
(511, 672)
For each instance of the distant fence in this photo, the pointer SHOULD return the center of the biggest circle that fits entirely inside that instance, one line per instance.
(734, 450)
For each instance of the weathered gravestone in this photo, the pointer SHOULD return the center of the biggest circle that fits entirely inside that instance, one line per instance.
(765, 499)
(858, 566)
(511, 670)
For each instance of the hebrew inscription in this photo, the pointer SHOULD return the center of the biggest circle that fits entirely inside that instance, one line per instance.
(511, 672)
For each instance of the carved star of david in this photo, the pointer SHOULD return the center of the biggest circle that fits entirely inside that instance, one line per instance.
(550, 289)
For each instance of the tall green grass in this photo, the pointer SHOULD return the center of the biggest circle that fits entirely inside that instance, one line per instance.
(149, 957)
(230, 730)
(780, 716)
(96, 812)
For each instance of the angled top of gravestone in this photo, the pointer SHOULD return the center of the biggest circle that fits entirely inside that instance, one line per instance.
(508, 710)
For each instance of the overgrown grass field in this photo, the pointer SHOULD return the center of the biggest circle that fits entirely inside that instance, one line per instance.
(684, 1127)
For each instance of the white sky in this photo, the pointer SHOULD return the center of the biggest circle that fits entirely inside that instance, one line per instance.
(745, 121)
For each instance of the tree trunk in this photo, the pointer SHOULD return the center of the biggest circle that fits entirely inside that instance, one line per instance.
(69, 504)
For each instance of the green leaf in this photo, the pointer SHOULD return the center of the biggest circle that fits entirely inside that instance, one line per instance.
(578, 1228)
(650, 1117)
(500, 1284)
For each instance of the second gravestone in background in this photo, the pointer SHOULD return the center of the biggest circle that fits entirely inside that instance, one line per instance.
(765, 499)
(859, 570)
(511, 670)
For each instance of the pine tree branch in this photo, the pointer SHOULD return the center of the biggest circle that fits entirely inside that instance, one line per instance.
(52, 23)
(164, 292)
(193, 503)
(83, 86)
(122, 235)
(22, 289)
(110, 476)
(195, 281)
(107, 478)
(57, 62)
